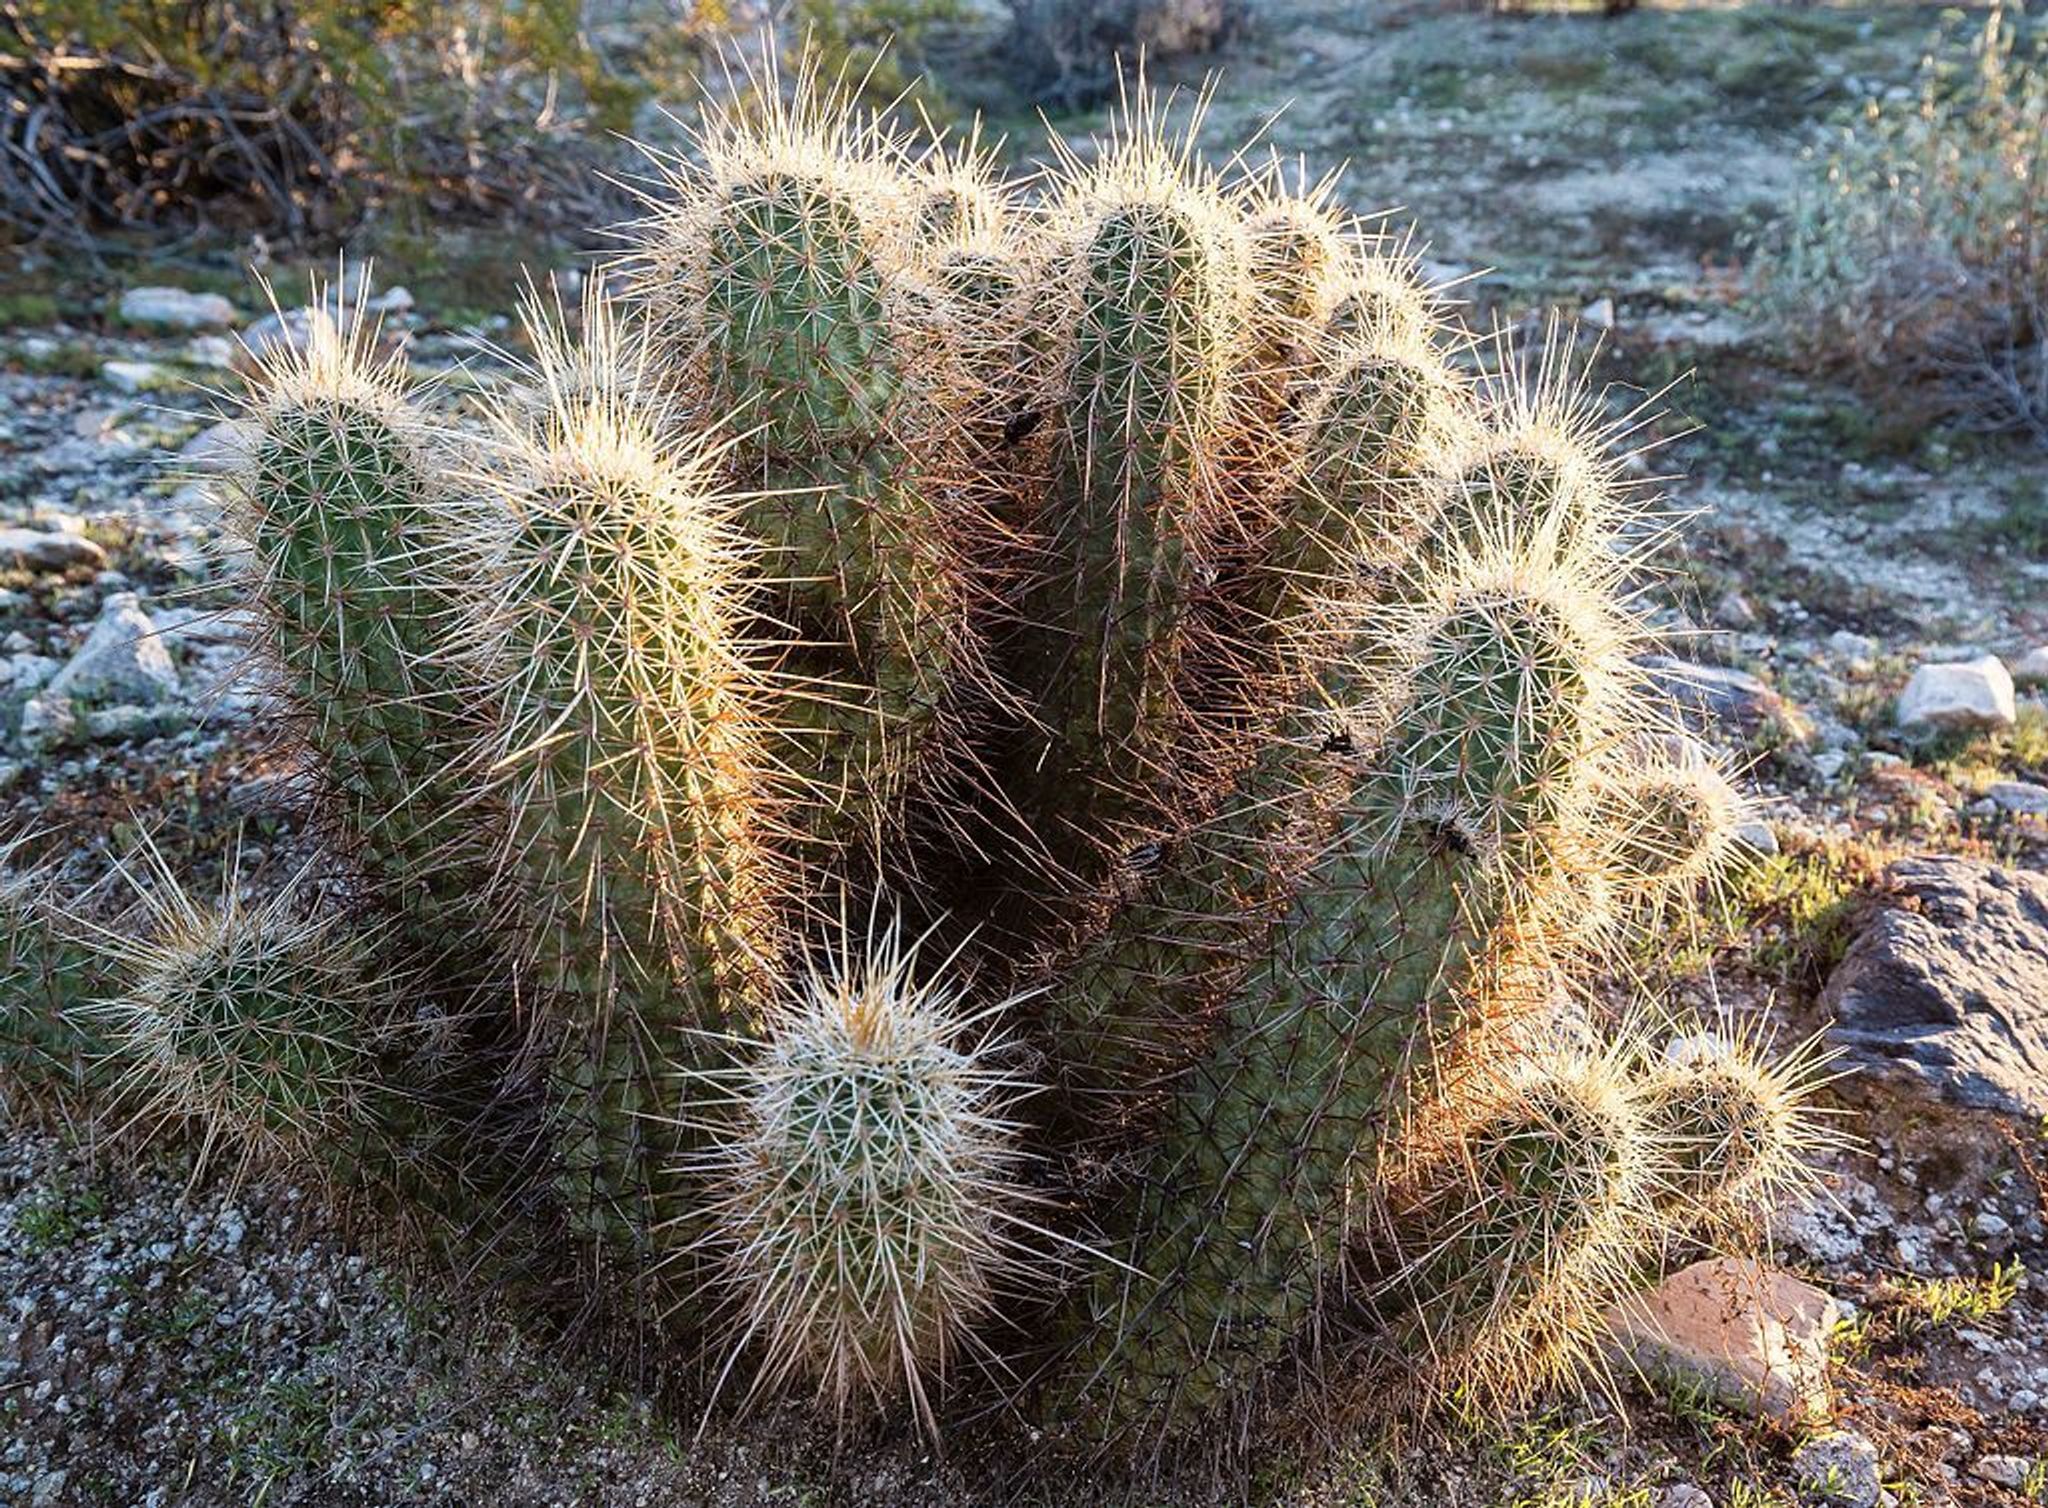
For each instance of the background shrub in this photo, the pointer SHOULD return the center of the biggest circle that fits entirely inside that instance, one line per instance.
(1920, 263)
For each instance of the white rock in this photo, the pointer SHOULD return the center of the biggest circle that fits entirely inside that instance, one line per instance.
(37, 550)
(396, 299)
(2021, 797)
(47, 722)
(175, 309)
(1681, 1495)
(1598, 315)
(135, 377)
(210, 351)
(2031, 668)
(1852, 646)
(1752, 1335)
(1962, 694)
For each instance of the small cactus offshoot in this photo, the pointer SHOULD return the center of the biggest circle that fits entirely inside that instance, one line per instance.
(865, 1206)
(1520, 1210)
(1736, 1130)
(261, 1024)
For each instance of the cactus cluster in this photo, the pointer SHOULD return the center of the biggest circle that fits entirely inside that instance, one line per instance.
(1138, 594)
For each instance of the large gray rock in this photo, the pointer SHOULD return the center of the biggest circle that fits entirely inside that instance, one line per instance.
(1947, 987)
(1961, 694)
(1750, 1335)
(175, 309)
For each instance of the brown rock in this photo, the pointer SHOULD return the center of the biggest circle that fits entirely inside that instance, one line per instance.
(1753, 1336)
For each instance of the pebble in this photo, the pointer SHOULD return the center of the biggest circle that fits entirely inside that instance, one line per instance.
(1735, 611)
(1598, 315)
(124, 653)
(281, 330)
(2031, 668)
(2005, 1471)
(135, 377)
(210, 351)
(2020, 797)
(1759, 837)
(1681, 1495)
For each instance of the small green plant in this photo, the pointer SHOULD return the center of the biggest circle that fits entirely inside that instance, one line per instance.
(1799, 907)
(58, 1216)
(1926, 1303)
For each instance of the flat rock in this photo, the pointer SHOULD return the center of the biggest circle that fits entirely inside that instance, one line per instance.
(1718, 694)
(175, 309)
(43, 550)
(2020, 797)
(1946, 989)
(1753, 1336)
(1959, 694)
(136, 377)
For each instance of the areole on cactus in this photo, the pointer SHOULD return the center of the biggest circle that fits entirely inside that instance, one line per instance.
(1132, 593)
